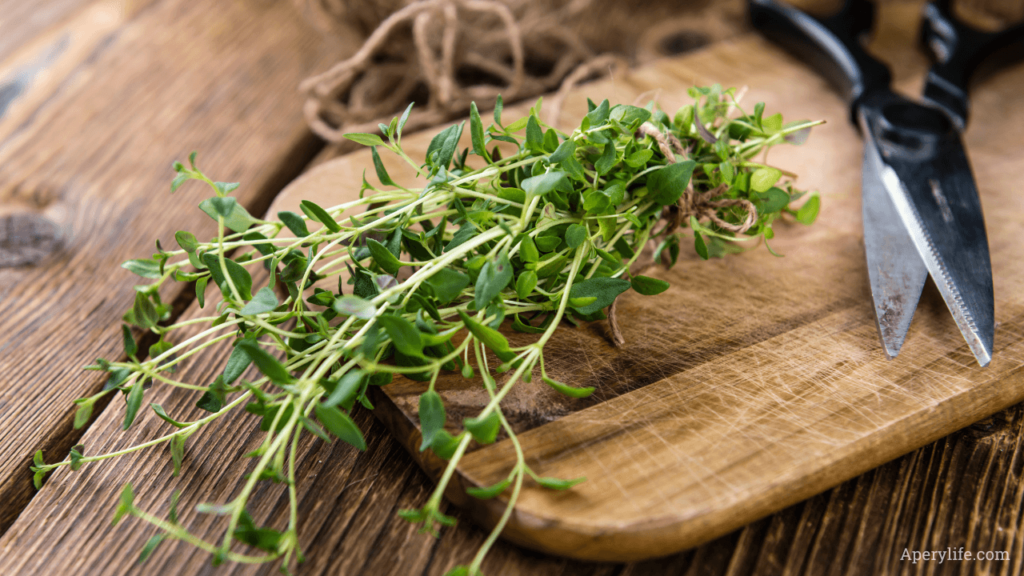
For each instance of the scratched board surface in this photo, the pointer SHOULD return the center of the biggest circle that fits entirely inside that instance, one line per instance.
(755, 381)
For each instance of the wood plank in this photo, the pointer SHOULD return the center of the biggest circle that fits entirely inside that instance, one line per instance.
(721, 411)
(897, 511)
(86, 150)
(24, 21)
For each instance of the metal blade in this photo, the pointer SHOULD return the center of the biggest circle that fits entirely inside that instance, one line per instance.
(895, 269)
(928, 178)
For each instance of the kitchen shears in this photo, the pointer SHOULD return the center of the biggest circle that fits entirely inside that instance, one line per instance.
(921, 210)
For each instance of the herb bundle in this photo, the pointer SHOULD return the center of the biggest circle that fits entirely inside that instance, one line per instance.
(543, 232)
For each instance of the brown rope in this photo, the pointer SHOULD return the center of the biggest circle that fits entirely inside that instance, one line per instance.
(427, 44)
(702, 205)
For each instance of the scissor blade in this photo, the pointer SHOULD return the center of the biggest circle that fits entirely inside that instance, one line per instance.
(895, 269)
(930, 183)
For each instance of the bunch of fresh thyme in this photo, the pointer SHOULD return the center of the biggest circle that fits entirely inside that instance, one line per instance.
(544, 233)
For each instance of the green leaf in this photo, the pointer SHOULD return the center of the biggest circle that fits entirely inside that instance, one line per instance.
(808, 213)
(238, 361)
(604, 290)
(172, 512)
(526, 283)
(201, 290)
(126, 504)
(668, 184)
(499, 105)
(225, 188)
(180, 179)
(581, 302)
(144, 268)
(264, 301)
(489, 336)
(517, 125)
(607, 159)
(764, 178)
(270, 367)
(564, 150)
(639, 158)
(263, 538)
(213, 400)
(465, 232)
(237, 220)
(163, 416)
(543, 183)
(405, 118)
(77, 453)
(493, 278)
(598, 115)
(432, 417)
(488, 492)
(382, 172)
(315, 212)
(774, 200)
(442, 147)
(519, 326)
(534, 135)
(364, 138)
(340, 425)
(575, 235)
(558, 484)
(178, 452)
(568, 390)
(403, 334)
(383, 257)
(630, 115)
(444, 445)
(314, 428)
(294, 222)
(528, 250)
(700, 246)
(159, 349)
(150, 547)
(772, 123)
(484, 430)
(223, 206)
(130, 348)
(186, 240)
(144, 312)
(133, 402)
(648, 286)
(346, 389)
(448, 284)
(350, 305)
(239, 276)
(476, 131)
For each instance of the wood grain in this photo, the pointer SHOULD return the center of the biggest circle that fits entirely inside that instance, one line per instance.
(86, 148)
(720, 410)
(963, 490)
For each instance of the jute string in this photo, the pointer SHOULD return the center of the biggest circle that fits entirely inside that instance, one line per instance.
(430, 44)
(691, 203)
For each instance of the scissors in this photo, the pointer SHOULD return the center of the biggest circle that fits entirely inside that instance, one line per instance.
(922, 215)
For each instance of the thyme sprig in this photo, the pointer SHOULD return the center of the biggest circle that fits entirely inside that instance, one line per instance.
(540, 228)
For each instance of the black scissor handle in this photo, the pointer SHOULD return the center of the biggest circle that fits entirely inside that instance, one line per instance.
(832, 45)
(958, 49)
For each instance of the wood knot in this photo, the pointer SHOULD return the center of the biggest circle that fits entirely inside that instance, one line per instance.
(26, 238)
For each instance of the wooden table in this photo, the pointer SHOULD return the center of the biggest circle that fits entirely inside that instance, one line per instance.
(97, 98)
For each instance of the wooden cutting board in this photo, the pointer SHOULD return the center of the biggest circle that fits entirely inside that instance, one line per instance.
(755, 381)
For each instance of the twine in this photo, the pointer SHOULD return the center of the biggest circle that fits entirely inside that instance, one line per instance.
(691, 203)
(426, 43)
